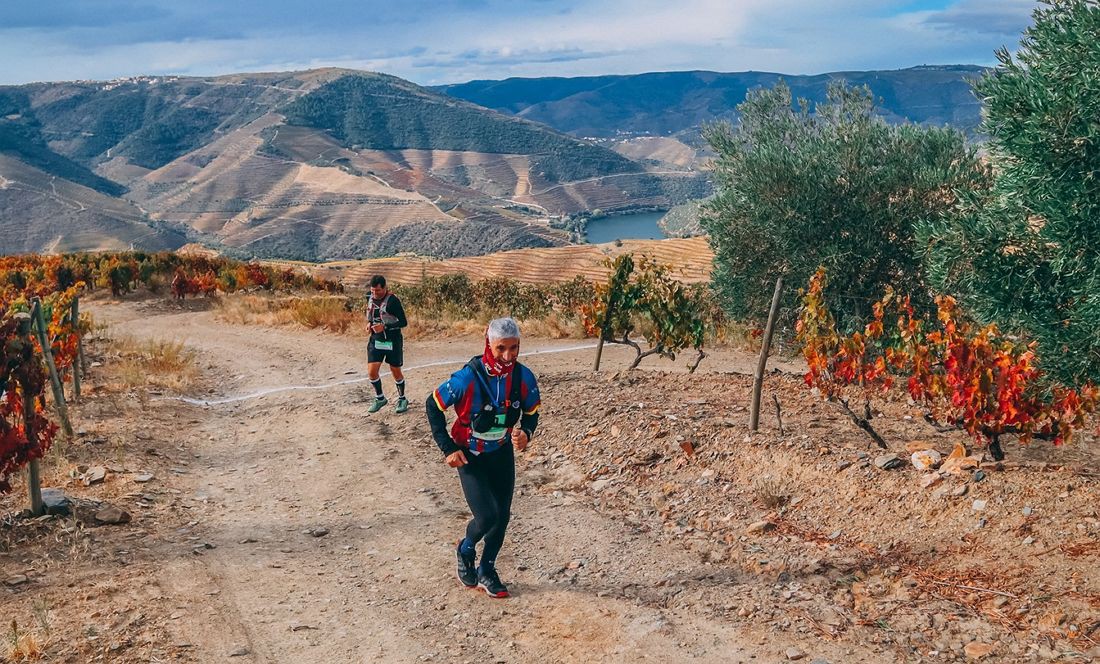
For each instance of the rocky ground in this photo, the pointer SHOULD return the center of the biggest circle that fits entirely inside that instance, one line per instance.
(650, 524)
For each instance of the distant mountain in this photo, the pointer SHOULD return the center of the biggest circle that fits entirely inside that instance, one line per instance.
(322, 164)
(21, 136)
(381, 112)
(670, 103)
(40, 212)
(335, 163)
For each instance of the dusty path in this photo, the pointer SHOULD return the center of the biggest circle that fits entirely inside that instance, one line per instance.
(379, 585)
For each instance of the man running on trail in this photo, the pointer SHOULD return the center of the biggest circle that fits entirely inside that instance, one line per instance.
(385, 317)
(491, 395)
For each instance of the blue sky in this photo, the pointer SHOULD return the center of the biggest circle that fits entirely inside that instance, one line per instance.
(445, 41)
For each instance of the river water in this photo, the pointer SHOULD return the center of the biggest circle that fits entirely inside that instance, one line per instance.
(640, 226)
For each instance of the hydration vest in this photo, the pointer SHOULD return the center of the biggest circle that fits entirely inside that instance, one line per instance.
(372, 308)
(494, 420)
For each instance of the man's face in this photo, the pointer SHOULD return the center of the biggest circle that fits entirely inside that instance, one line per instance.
(505, 350)
(378, 292)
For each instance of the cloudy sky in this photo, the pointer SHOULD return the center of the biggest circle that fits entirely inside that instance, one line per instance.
(446, 41)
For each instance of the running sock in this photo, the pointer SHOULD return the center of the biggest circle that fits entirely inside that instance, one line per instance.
(486, 566)
(400, 387)
(377, 388)
(466, 547)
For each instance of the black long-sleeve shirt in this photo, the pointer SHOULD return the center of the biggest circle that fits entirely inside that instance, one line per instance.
(393, 308)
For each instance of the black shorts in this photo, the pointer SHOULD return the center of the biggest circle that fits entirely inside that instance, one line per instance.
(394, 358)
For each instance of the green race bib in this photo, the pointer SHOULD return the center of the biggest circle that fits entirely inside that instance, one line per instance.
(383, 345)
(496, 433)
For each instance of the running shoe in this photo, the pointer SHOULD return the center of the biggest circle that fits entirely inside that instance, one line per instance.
(467, 567)
(377, 405)
(488, 581)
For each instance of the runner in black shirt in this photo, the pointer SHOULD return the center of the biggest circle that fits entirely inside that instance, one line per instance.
(385, 317)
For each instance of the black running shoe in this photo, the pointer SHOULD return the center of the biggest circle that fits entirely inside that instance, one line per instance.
(467, 567)
(488, 581)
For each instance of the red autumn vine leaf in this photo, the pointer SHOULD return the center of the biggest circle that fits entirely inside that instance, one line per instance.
(965, 375)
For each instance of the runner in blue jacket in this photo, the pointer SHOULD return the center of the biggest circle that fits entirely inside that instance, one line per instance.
(496, 401)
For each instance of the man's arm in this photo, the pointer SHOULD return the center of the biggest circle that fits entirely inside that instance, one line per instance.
(531, 401)
(437, 420)
(528, 424)
(397, 311)
(446, 395)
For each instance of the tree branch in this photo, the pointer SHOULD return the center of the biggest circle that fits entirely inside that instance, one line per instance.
(656, 350)
(778, 415)
(698, 358)
(862, 423)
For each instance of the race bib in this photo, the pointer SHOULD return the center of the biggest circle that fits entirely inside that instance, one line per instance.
(496, 433)
(383, 345)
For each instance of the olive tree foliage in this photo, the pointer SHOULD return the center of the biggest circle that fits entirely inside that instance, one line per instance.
(1026, 254)
(834, 186)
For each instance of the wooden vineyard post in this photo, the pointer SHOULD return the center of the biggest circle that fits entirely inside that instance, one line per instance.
(34, 478)
(599, 350)
(38, 321)
(78, 361)
(765, 347)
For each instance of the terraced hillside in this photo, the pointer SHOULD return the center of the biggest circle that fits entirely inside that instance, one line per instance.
(317, 165)
(619, 192)
(691, 257)
(260, 203)
(383, 112)
(69, 216)
(661, 150)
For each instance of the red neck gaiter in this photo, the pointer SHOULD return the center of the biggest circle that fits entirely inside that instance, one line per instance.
(493, 366)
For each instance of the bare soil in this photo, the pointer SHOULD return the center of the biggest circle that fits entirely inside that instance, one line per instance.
(649, 524)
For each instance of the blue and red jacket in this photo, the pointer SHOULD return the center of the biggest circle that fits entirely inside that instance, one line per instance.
(463, 392)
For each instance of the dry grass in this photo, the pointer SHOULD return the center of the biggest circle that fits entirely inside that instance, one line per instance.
(335, 315)
(151, 363)
(771, 493)
(440, 326)
(22, 646)
(554, 327)
(447, 325)
(253, 310)
(322, 311)
(329, 313)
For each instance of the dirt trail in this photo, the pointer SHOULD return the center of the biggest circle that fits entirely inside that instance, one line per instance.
(379, 585)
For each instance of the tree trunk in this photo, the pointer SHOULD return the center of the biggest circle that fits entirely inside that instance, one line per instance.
(761, 365)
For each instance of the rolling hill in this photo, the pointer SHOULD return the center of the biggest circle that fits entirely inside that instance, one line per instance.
(669, 103)
(318, 165)
(692, 259)
(333, 164)
(68, 216)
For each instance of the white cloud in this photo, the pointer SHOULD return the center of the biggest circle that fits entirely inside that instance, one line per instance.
(454, 40)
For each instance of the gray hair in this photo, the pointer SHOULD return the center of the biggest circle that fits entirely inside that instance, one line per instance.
(503, 328)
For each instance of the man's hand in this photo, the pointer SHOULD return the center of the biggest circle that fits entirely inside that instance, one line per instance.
(377, 327)
(456, 459)
(521, 439)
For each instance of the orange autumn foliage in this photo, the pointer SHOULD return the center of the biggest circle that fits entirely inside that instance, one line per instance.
(965, 375)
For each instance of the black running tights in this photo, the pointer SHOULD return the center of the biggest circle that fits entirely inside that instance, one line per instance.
(488, 480)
